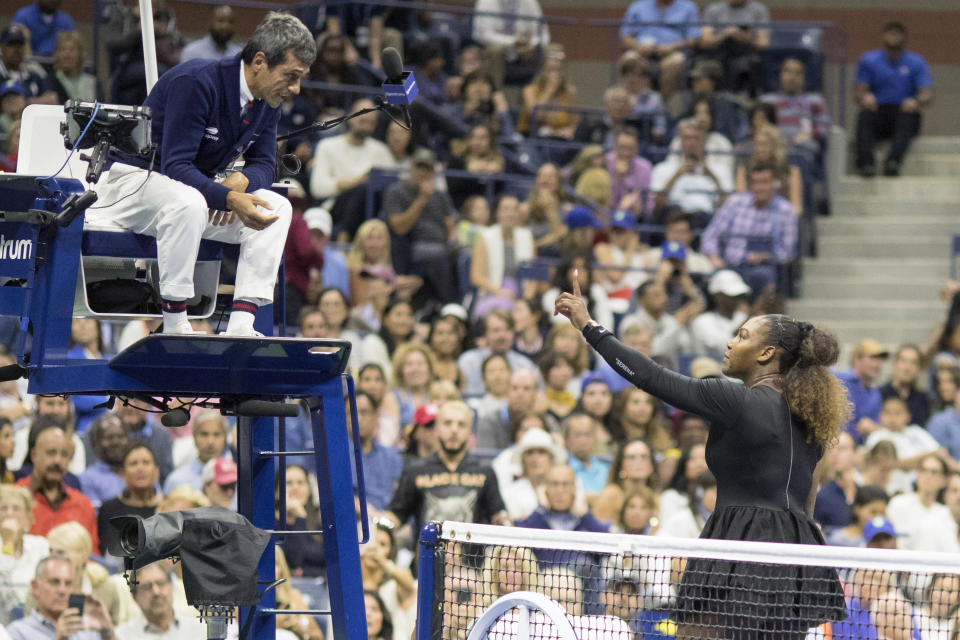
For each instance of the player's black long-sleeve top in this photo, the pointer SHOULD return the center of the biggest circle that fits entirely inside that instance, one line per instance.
(758, 452)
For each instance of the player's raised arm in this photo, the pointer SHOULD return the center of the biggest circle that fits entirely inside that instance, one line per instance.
(572, 305)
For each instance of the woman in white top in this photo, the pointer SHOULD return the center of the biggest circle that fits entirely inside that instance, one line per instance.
(687, 523)
(535, 453)
(504, 465)
(924, 523)
(498, 251)
(938, 615)
(913, 443)
(21, 550)
(394, 584)
(676, 497)
(69, 79)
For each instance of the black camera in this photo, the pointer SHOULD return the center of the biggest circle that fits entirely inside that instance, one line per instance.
(219, 551)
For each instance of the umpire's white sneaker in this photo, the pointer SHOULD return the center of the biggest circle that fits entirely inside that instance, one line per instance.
(182, 331)
(243, 333)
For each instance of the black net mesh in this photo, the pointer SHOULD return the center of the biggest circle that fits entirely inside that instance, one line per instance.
(635, 597)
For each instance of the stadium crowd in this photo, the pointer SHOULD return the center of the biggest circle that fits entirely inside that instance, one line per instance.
(438, 252)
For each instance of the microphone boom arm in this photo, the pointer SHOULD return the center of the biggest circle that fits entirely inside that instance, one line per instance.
(381, 105)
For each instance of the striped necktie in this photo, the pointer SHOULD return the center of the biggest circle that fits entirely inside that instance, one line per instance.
(245, 111)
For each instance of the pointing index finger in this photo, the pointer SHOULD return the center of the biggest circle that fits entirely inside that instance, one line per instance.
(576, 282)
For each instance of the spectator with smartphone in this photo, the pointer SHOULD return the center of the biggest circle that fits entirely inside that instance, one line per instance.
(58, 615)
(690, 180)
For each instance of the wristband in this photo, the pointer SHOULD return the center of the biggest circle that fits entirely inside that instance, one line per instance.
(593, 333)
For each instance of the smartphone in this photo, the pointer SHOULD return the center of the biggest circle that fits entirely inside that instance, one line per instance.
(75, 601)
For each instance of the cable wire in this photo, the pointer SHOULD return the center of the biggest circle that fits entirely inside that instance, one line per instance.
(76, 145)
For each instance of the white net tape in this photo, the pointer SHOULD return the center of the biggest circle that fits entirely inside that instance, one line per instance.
(637, 587)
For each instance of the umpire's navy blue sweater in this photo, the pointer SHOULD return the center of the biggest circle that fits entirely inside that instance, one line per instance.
(198, 132)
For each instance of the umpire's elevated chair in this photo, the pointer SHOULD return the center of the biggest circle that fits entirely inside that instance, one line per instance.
(118, 267)
(53, 274)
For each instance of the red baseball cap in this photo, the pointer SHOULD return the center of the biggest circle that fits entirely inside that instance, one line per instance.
(426, 413)
(221, 471)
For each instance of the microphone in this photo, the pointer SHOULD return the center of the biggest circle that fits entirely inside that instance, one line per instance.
(400, 87)
(175, 417)
(399, 90)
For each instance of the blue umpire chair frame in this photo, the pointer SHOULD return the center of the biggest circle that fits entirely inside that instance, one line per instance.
(40, 262)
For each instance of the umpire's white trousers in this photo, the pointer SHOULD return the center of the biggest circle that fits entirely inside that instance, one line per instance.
(176, 214)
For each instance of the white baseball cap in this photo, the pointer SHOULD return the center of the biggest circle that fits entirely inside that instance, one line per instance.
(455, 310)
(729, 283)
(537, 438)
(319, 218)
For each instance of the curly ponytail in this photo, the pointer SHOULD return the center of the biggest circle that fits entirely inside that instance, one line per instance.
(813, 393)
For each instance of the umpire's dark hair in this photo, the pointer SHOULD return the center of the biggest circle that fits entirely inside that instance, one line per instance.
(813, 394)
(277, 34)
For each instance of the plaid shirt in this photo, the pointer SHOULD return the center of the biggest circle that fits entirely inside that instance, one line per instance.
(793, 110)
(738, 217)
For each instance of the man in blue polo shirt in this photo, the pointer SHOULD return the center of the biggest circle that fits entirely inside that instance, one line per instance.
(865, 367)
(893, 86)
(206, 114)
(44, 20)
(660, 31)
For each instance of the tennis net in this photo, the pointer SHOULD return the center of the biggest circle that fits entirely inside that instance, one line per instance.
(481, 581)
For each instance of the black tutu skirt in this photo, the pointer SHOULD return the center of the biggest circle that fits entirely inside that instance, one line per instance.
(755, 599)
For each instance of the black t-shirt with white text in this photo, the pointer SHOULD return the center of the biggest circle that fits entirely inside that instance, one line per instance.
(428, 491)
